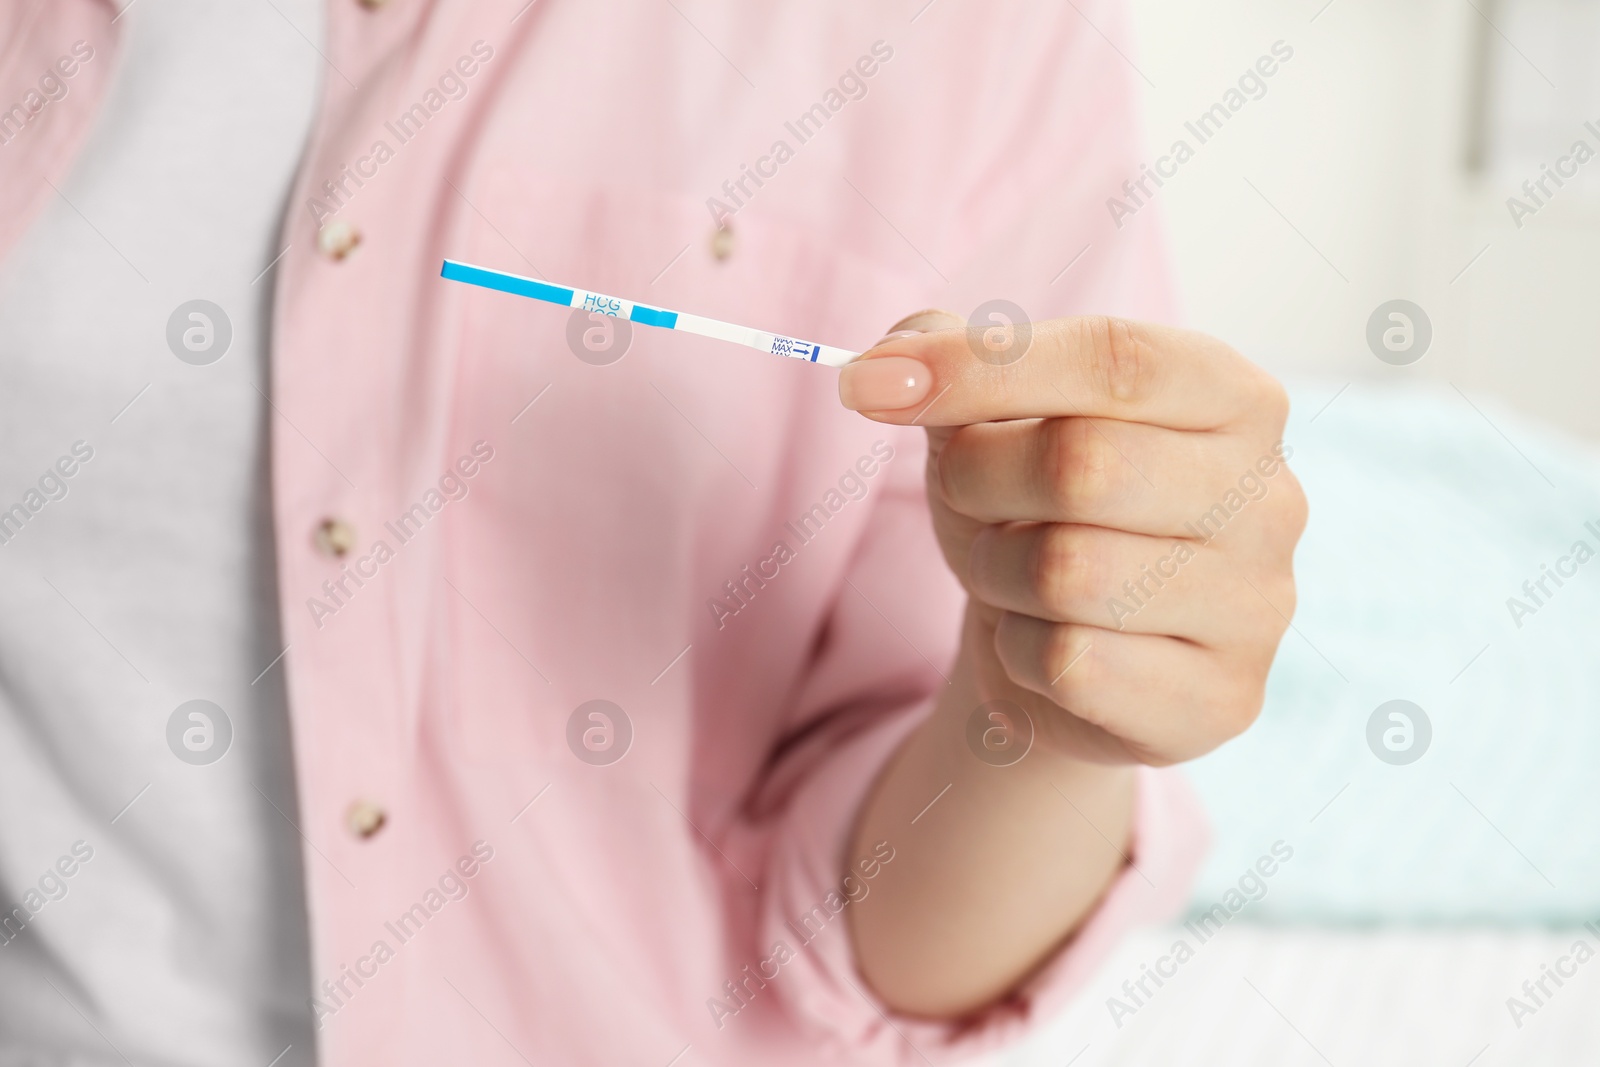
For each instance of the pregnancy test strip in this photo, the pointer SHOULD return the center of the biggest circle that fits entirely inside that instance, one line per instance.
(646, 315)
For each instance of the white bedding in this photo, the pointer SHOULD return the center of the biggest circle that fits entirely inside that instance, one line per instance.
(1284, 996)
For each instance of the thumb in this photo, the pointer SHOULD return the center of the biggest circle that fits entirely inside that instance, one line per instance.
(883, 381)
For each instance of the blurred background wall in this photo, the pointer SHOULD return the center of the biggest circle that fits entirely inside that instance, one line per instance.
(1377, 166)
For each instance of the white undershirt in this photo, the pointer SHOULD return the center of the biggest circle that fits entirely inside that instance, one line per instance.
(150, 583)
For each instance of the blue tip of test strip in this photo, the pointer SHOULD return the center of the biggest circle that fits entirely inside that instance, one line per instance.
(553, 294)
(506, 283)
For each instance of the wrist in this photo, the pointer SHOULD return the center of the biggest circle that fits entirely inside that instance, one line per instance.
(998, 863)
(1035, 765)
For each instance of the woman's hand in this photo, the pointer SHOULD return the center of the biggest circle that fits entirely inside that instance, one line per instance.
(1113, 498)
(1115, 502)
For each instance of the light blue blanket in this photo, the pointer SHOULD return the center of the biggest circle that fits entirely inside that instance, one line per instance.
(1429, 513)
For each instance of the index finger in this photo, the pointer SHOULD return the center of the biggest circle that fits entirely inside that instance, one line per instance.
(1085, 366)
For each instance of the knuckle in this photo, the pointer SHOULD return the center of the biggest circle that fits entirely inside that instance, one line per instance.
(1266, 399)
(1239, 711)
(1068, 661)
(1296, 508)
(1121, 363)
(1262, 398)
(1288, 599)
(1284, 519)
(946, 470)
(1065, 570)
(1275, 611)
(1224, 709)
(1300, 503)
(1274, 400)
(1081, 471)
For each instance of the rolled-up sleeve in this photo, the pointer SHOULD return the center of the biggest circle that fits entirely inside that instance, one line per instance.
(828, 996)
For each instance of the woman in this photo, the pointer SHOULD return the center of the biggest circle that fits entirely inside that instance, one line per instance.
(570, 695)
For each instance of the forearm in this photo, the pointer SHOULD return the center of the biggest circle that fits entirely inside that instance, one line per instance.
(992, 877)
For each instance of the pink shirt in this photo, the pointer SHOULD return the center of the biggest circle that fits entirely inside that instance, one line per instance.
(695, 533)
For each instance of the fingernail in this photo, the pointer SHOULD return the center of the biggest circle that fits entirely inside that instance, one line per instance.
(886, 383)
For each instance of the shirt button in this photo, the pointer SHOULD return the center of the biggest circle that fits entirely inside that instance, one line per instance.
(338, 239)
(373, 5)
(722, 242)
(364, 818)
(334, 537)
